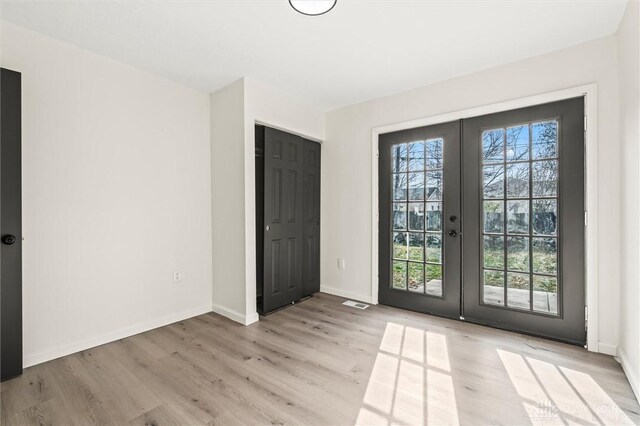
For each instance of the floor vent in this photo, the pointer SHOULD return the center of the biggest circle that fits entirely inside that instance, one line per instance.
(356, 304)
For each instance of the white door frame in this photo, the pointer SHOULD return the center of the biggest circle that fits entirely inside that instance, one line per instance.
(589, 91)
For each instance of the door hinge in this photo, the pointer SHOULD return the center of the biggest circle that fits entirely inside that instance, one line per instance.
(586, 317)
(585, 123)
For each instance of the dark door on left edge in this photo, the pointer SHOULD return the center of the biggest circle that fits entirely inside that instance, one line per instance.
(10, 226)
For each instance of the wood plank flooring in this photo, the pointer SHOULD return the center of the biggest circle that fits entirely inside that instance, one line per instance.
(319, 362)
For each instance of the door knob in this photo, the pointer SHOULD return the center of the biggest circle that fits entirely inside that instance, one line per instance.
(8, 239)
(268, 228)
(453, 233)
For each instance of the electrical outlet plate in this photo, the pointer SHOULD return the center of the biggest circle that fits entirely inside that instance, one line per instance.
(177, 277)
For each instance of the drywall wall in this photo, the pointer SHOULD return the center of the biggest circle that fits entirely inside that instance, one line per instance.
(346, 176)
(629, 80)
(116, 197)
(227, 185)
(235, 110)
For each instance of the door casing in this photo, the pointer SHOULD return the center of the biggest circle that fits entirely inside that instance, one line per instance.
(589, 92)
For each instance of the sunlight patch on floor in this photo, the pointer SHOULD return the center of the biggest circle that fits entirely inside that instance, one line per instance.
(410, 382)
(559, 395)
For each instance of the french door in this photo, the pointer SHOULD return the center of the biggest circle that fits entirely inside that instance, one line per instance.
(501, 226)
(419, 223)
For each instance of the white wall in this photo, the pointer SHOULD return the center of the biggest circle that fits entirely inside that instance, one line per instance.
(629, 75)
(228, 199)
(234, 111)
(346, 175)
(116, 196)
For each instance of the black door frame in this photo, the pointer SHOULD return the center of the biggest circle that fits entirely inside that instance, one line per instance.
(589, 94)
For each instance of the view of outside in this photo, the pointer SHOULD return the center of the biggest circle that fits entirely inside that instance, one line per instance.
(520, 216)
(417, 216)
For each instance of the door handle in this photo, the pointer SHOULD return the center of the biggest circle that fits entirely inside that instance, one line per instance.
(268, 228)
(453, 233)
(8, 239)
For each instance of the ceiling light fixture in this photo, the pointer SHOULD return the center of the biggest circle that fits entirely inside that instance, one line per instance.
(313, 7)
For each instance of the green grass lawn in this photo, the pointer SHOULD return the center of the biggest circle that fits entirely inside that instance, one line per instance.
(544, 261)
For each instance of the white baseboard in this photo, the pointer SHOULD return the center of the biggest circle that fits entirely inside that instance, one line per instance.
(347, 294)
(38, 358)
(633, 376)
(235, 315)
(607, 349)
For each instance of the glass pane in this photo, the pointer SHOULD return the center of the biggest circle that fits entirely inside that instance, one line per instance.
(434, 185)
(416, 156)
(434, 153)
(399, 275)
(493, 288)
(400, 245)
(545, 255)
(416, 246)
(518, 143)
(434, 248)
(416, 186)
(518, 217)
(399, 158)
(493, 146)
(416, 277)
(544, 176)
(545, 294)
(434, 216)
(544, 139)
(493, 251)
(434, 279)
(518, 254)
(518, 290)
(518, 180)
(493, 216)
(400, 187)
(399, 216)
(416, 216)
(493, 181)
(545, 217)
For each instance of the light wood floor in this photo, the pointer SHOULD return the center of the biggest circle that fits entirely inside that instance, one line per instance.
(319, 362)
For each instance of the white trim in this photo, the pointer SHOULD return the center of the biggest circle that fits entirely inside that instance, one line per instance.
(632, 376)
(235, 315)
(591, 172)
(122, 333)
(346, 294)
(607, 349)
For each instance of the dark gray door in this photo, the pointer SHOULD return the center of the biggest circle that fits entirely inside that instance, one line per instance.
(311, 212)
(419, 225)
(283, 219)
(524, 220)
(11, 226)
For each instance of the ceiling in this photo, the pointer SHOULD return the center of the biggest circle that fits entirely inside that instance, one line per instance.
(361, 50)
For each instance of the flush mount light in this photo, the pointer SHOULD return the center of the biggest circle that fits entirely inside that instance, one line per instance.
(313, 7)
